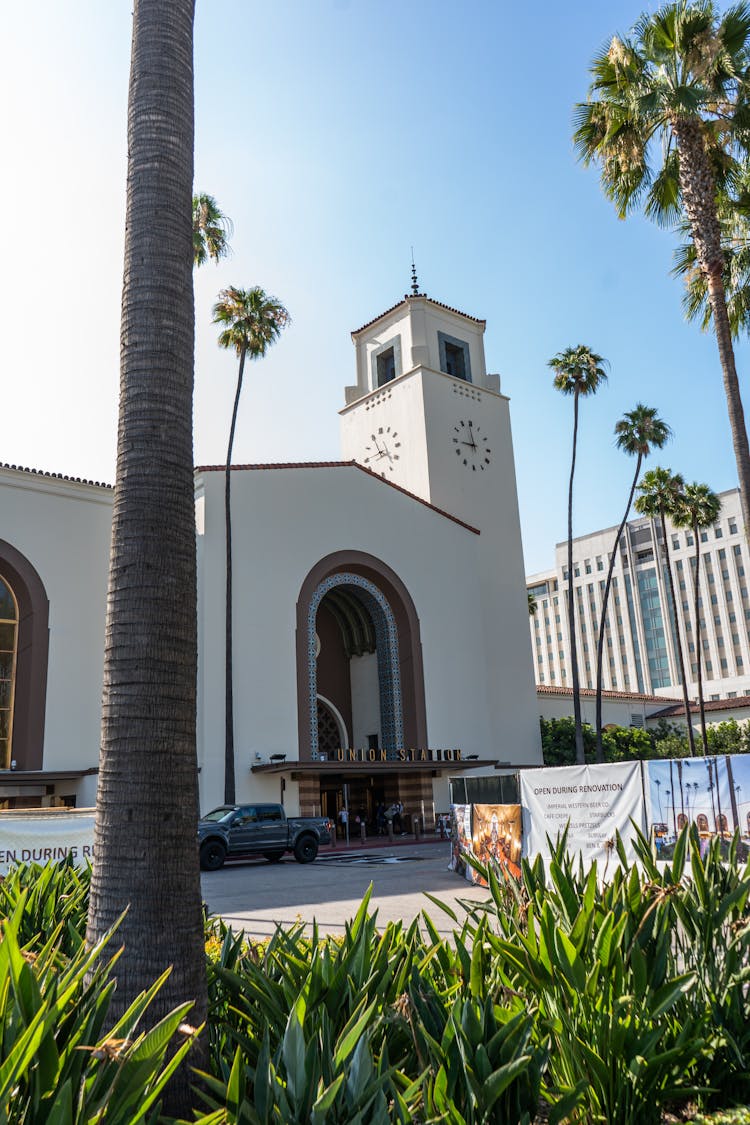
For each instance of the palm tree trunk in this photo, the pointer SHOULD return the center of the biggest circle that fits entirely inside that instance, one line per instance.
(580, 756)
(698, 638)
(698, 188)
(678, 638)
(603, 618)
(146, 857)
(229, 783)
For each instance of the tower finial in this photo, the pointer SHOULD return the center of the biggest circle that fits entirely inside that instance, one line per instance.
(414, 283)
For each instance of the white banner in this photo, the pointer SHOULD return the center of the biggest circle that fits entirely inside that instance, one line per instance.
(38, 837)
(598, 801)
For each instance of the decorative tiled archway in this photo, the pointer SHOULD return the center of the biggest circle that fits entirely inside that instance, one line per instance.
(386, 637)
(31, 657)
(395, 617)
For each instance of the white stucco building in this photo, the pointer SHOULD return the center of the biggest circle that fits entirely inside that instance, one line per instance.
(380, 631)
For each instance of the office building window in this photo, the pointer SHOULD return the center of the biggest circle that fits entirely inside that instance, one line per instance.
(732, 527)
(718, 532)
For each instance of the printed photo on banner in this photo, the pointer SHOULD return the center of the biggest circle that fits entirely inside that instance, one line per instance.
(710, 794)
(460, 838)
(594, 802)
(496, 835)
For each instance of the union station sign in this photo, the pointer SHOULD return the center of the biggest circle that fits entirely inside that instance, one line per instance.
(364, 755)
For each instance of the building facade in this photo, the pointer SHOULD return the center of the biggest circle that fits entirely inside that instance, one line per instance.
(380, 636)
(640, 652)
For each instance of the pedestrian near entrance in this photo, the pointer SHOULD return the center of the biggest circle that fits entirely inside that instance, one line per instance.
(343, 821)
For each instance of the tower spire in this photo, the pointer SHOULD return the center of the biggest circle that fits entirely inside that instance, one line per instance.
(414, 282)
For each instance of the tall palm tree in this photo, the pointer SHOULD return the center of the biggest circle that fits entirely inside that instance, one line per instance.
(252, 322)
(637, 433)
(698, 508)
(532, 603)
(146, 858)
(667, 120)
(660, 493)
(578, 372)
(212, 230)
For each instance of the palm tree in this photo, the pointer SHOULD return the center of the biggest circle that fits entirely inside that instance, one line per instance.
(532, 603)
(698, 508)
(146, 858)
(660, 493)
(667, 121)
(637, 433)
(252, 322)
(211, 230)
(578, 372)
(734, 222)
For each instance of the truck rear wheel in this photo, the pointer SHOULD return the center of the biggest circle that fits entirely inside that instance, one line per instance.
(212, 854)
(306, 849)
(273, 857)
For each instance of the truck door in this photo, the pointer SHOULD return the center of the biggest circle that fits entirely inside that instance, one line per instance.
(244, 833)
(273, 827)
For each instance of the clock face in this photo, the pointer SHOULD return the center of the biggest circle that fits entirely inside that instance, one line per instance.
(383, 450)
(471, 446)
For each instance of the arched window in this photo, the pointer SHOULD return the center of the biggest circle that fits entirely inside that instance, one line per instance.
(681, 821)
(722, 824)
(8, 652)
(702, 820)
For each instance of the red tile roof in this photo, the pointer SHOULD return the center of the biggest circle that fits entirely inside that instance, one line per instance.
(340, 465)
(53, 476)
(709, 704)
(409, 297)
(637, 697)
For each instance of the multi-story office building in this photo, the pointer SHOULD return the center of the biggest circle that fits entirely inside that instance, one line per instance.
(640, 653)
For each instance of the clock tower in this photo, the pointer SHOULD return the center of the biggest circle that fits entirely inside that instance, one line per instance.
(425, 415)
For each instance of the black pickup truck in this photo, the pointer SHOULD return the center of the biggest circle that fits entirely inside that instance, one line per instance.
(239, 830)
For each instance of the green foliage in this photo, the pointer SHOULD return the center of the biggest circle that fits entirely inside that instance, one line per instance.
(608, 994)
(58, 1064)
(624, 744)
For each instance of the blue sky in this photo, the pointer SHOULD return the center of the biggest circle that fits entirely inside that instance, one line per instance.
(338, 134)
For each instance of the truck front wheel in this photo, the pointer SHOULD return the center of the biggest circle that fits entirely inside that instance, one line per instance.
(213, 854)
(306, 849)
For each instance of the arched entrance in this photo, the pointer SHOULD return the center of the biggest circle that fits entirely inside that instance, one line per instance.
(28, 683)
(352, 604)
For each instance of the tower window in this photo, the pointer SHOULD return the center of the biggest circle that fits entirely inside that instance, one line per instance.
(454, 357)
(386, 367)
(386, 362)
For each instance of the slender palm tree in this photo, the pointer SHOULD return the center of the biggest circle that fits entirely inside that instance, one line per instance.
(667, 120)
(147, 799)
(251, 321)
(532, 603)
(637, 433)
(660, 492)
(697, 509)
(212, 230)
(578, 372)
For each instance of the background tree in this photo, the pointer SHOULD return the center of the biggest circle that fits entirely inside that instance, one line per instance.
(212, 230)
(532, 603)
(252, 322)
(578, 372)
(146, 858)
(637, 433)
(668, 121)
(660, 493)
(698, 508)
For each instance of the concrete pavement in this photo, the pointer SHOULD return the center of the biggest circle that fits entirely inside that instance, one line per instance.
(254, 895)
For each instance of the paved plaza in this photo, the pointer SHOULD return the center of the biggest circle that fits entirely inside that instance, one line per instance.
(254, 895)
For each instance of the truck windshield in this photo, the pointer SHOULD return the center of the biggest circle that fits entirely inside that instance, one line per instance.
(222, 813)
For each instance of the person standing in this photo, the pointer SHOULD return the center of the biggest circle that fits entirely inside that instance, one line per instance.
(343, 821)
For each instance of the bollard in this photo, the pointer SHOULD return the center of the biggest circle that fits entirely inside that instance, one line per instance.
(389, 826)
(417, 829)
(363, 832)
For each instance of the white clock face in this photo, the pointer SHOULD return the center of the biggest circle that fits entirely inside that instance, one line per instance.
(383, 450)
(472, 448)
